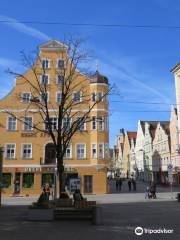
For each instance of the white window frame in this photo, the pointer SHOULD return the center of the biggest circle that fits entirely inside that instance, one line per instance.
(99, 156)
(70, 157)
(7, 124)
(80, 96)
(45, 59)
(92, 128)
(6, 157)
(24, 125)
(56, 122)
(93, 97)
(84, 125)
(103, 123)
(57, 63)
(22, 97)
(102, 98)
(94, 147)
(41, 78)
(22, 150)
(70, 122)
(41, 100)
(57, 96)
(57, 82)
(80, 158)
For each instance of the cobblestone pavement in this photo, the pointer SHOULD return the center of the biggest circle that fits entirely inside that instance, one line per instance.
(119, 222)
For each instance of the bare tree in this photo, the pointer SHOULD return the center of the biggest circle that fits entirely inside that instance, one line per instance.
(73, 94)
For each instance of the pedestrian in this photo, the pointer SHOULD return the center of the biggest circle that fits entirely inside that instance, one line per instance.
(120, 183)
(117, 184)
(153, 189)
(129, 184)
(134, 184)
(147, 192)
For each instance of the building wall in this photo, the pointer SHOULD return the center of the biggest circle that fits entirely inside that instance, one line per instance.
(96, 167)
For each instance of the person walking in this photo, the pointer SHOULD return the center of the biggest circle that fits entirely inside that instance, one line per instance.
(147, 192)
(129, 184)
(117, 184)
(120, 184)
(134, 184)
(153, 189)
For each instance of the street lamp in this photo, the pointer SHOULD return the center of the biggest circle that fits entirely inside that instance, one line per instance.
(1, 165)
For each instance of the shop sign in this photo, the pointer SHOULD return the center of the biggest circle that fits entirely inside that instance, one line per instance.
(33, 169)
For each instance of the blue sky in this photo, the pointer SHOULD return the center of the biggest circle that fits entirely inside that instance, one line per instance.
(137, 60)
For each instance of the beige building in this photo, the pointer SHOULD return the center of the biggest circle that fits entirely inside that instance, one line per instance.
(161, 155)
(29, 157)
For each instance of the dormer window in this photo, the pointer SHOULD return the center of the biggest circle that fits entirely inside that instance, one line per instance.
(60, 63)
(25, 97)
(44, 79)
(45, 63)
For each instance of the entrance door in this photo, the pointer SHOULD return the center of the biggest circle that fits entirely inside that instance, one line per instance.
(88, 184)
(50, 154)
(17, 183)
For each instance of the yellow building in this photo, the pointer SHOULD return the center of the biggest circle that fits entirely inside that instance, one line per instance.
(29, 160)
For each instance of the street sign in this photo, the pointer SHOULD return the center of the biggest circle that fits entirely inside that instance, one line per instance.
(169, 167)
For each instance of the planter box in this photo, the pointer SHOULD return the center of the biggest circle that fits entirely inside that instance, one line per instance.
(40, 214)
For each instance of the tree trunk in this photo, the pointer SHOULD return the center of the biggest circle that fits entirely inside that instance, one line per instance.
(60, 174)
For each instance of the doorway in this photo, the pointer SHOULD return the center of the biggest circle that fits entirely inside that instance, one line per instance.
(88, 184)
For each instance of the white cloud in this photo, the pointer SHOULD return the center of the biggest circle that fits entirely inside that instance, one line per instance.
(21, 27)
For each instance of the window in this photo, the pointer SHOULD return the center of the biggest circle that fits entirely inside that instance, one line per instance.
(77, 97)
(27, 151)
(101, 150)
(93, 123)
(60, 79)
(106, 150)
(10, 151)
(68, 153)
(101, 123)
(44, 79)
(53, 124)
(28, 124)
(100, 96)
(93, 97)
(47, 178)
(45, 63)
(6, 180)
(66, 123)
(81, 123)
(28, 180)
(45, 97)
(93, 151)
(81, 151)
(26, 97)
(12, 123)
(60, 63)
(58, 97)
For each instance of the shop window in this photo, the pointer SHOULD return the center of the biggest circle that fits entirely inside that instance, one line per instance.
(6, 180)
(28, 180)
(47, 178)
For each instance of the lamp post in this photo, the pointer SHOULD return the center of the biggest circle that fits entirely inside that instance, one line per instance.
(1, 164)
